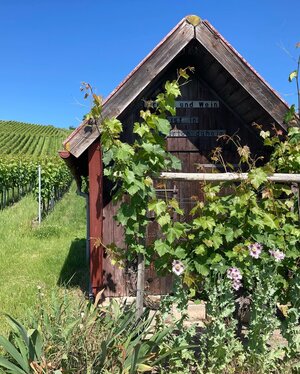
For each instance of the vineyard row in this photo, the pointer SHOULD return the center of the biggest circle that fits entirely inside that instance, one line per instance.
(11, 127)
(18, 176)
(30, 145)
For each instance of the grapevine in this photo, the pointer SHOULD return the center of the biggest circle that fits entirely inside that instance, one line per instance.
(23, 147)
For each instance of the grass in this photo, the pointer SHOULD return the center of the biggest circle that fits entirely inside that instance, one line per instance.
(48, 256)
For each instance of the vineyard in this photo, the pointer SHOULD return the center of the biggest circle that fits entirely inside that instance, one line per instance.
(23, 147)
(18, 138)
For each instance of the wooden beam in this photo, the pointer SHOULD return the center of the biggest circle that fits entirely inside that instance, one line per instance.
(96, 216)
(223, 177)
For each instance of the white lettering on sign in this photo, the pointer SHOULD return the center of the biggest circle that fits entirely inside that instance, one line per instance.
(197, 104)
(202, 104)
(176, 133)
(176, 120)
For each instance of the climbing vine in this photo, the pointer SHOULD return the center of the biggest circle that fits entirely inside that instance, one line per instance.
(223, 226)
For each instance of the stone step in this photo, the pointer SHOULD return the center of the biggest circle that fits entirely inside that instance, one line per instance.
(196, 311)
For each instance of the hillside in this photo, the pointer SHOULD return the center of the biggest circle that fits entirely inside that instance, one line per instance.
(19, 138)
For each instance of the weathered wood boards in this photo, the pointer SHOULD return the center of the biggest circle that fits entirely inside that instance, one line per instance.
(96, 216)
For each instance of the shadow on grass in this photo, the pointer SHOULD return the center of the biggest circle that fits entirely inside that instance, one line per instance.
(74, 272)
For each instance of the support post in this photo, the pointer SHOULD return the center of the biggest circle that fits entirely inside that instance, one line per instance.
(40, 194)
(96, 217)
(140, 285)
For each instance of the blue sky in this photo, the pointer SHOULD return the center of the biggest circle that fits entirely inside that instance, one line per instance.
(48, 47)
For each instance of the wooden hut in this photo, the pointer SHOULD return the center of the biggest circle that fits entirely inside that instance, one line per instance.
(225, 96)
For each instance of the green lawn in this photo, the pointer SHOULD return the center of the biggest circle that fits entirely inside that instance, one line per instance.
(46, 256)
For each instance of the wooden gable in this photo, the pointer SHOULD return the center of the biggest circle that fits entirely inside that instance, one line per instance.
(217, 64)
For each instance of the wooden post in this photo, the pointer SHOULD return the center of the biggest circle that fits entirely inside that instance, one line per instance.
(96, 217)
(140, 285)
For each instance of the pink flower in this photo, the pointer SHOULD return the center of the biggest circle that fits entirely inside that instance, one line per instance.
(278, 255)
(236, 284)
(177, 267)
(255, 249)
(235, 275)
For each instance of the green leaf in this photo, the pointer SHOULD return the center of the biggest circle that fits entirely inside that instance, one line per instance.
(180, 253)
(107, 157)
(35, 345)
(173, 203)
(141, 129)
(175, 162)
(286, 189)
(126, 211)
(201, 268)
(114, 125)
(229, 234)
(208, 242)
(265, 134)
(124, 152)
(217, 240)
(164, 219)
(12, 367)
(133, 189)
(200, 250)
(14, 353)
(129, 176)
(172, 88)
(161, 247)
(148, 147)
(143, 367)
(19, 328)
(163, 125)
(293, 75)
(183, 73)
(158, 206)
(269, 221)
(205, 222)
(290, 114)
(175, 232)
(215, 258)
(257, 177)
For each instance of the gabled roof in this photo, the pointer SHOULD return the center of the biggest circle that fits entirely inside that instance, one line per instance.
(248, 94)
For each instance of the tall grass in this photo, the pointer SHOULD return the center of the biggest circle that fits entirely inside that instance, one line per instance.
(45, 256)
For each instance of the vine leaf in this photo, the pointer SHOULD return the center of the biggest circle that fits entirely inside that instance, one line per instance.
(257, 177)
(201, 269)
(163, 126)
